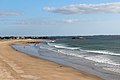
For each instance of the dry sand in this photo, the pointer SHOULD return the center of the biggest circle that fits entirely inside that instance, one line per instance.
(15, 65)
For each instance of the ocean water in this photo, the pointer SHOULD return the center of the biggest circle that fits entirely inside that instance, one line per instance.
(97, 55)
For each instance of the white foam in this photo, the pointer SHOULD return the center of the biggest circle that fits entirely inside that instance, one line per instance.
(114, 69)
(88, 51)
(99, 58)
(62, 46)
(102, 59)
(58, 46)
(70, 53)
(50, 41)
(73, 52)
(102, 52)
(108, 67)
(53, 41)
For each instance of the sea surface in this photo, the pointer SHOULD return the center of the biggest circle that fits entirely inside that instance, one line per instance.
(96, 55)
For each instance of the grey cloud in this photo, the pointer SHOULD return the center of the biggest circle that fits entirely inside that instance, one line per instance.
(9, 13)
(46, 22)
(51, 22)
(32, 22)
(86, 8)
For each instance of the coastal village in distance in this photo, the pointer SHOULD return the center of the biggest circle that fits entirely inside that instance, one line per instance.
(60, 37)
(44, 37)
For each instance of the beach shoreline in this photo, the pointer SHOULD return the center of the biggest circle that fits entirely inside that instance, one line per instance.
(20, 66)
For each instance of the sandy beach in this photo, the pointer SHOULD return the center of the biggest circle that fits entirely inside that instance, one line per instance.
(16, 65)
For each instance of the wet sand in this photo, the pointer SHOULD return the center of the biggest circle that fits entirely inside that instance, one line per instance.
(16, 65)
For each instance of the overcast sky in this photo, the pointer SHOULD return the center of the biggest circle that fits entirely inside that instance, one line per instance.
(59, 17)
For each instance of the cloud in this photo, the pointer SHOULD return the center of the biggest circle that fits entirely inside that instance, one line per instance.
(48, 22)
(9, 13)
(68, 21)
(86, 8)
(40, 22)
(32, 22)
